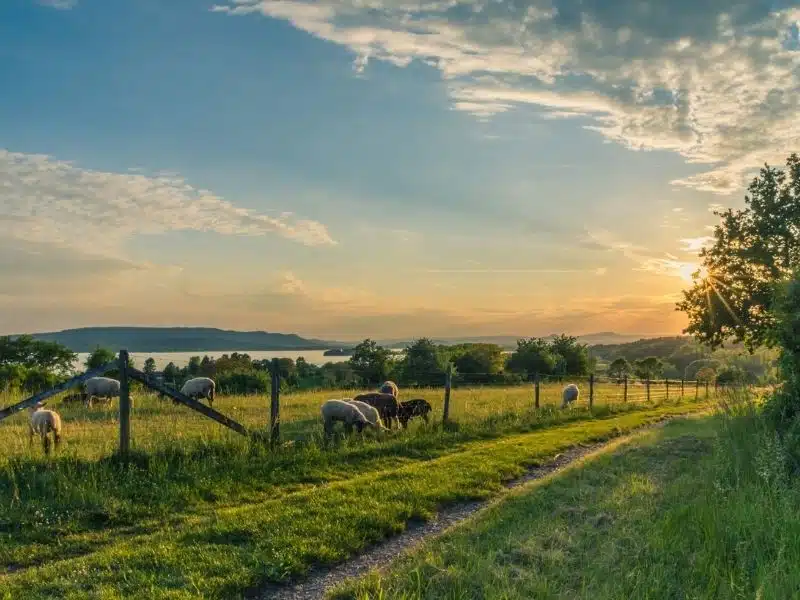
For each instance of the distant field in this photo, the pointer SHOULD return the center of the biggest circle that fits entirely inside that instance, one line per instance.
(158, 424)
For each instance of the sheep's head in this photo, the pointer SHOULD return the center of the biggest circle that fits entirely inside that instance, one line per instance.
(37, 406)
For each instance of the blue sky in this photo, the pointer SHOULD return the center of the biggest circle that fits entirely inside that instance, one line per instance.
(348, 169)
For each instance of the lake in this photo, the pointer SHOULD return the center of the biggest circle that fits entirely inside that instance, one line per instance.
(181, 359)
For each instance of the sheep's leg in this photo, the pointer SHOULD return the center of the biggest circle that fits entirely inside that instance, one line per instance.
(348, 428)
(46, 442)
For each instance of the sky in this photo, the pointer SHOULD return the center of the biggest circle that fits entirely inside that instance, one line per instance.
(379, 168)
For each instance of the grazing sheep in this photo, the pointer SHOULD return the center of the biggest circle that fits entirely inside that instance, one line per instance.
(348, 414)
(42, 422)
(389, 387)
(79, 397)
(199, 387)
(101, 387)
(418, 407)
(570, 394)
(370, 412)
(385, 403)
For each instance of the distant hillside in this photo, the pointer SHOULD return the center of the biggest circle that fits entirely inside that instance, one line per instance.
(510, 342)
(177, 339)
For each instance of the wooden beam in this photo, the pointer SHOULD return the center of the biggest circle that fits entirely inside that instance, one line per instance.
(186, 401)
(62, 387)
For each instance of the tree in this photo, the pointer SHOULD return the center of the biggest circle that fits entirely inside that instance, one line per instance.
(422, 363)
(706, 375)
(99, 357)
(532, 357)
(193, 368)
(150, 366)
(477, 361)
(30, 353)
(575, 355)
(754, 249)
(172, 373)
(619, 369)
(371, 362)
(733, 375)
(648, 368)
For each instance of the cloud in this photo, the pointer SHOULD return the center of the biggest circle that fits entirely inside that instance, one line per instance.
(694, 245)
(716, 82)
(59, 4)
(55, 202)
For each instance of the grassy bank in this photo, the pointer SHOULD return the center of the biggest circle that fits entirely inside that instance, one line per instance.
(302, 507)
(699, 509)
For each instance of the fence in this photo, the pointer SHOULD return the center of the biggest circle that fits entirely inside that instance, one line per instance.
(454, 397)
(126, 374)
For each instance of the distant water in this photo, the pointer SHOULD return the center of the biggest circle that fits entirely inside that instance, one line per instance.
(181, 359)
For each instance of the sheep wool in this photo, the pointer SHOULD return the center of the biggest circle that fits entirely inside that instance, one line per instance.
(341, 410)
(42, 423)
(101, 387)
(389, 387)
(370, 412)
(570, 394)
(199, 387)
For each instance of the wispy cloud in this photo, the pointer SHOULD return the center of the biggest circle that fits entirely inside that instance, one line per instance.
(55, 202)
(59, 4)
(713, 81)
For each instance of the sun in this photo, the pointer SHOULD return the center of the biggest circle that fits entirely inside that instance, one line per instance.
(687, 269)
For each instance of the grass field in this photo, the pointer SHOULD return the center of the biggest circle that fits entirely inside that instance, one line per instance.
(158, 425)
(200, 513)
(699, 509)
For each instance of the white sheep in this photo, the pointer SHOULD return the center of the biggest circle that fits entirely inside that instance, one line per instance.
(101, 387)
(340, 410)
(389, 387)
(42, 422)
(570, 394)
(370, 412)
(199, 387)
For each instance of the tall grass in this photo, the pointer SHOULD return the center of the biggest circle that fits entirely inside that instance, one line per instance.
(705, 509)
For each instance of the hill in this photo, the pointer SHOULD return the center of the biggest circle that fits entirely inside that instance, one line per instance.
(177, 339)
(509, 342)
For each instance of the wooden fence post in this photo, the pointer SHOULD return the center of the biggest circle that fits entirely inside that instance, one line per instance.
(591, 390)
(667, 382)
(274, 409)
(706, 389)
(124, 406)
(536, 390)
(448, 382)
(696, 388)
(647, 385)
(625, 393)
(682, 382)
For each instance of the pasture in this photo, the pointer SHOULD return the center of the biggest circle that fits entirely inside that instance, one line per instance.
(199, 512)
(701, 508)
(158, 424)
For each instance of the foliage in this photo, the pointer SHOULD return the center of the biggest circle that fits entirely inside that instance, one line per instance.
(574, 355)
(532, 357)
(33, 365)
(754, 248)
(477, 363)
(149, 366)
(619, 369)
(422, 364)
(371, 362)
(706, 375)
(648, 368)
(99, 357)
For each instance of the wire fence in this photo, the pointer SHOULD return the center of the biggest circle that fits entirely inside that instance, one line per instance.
(160, 416)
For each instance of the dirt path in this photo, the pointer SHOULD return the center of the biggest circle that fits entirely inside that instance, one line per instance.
(322, 579)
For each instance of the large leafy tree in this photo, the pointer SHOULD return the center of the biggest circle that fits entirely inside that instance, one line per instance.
(371, 362)
(532, 357)
(732, 296)
(423, 363)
